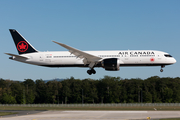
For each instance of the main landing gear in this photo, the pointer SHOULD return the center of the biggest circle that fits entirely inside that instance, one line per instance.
(162, 66)
(91, 71)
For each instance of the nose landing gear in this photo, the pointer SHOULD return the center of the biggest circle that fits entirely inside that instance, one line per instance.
(91, 71)
(162, 66)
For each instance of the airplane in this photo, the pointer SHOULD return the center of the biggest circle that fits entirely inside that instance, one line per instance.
(109, 60)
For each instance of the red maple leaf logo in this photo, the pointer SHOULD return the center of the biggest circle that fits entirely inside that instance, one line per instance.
(22, 46)
(152, 59)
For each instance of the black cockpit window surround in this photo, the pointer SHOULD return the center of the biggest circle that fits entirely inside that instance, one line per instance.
(167, 55)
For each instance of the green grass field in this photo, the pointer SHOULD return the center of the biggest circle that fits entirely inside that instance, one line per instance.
(7, 113)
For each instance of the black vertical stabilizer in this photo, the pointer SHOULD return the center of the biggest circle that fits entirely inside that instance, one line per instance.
(22, 45)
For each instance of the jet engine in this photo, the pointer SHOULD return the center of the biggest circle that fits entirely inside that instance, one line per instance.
(111, 64)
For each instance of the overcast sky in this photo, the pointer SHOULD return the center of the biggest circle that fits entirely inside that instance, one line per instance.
(90, 25)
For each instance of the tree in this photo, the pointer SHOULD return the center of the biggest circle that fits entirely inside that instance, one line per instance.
(30, 88)
(76, 90)
(41, 92)
(8, 99)
(65, 91)
(106, 90)
(17, 91)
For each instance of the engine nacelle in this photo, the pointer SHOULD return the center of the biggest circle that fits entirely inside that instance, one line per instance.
(111, 64)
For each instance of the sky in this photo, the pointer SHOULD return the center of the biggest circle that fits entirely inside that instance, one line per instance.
(90, 25)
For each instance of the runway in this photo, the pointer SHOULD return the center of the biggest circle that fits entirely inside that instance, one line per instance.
(95, 115)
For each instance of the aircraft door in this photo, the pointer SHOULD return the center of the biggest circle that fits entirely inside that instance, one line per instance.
(159, 57)
(41, 57)
(48, 58)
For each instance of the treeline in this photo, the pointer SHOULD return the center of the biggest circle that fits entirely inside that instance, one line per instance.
(105, 90)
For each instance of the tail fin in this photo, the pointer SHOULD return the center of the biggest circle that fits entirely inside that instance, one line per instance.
(22, 45)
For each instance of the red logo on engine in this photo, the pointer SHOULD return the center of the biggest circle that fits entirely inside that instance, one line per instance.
(22, 46)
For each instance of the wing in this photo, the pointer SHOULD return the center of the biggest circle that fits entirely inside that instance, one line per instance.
(16, 56)
(87, 58)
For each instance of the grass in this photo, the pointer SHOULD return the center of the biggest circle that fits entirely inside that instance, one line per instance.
(166, 108)
(7, 113)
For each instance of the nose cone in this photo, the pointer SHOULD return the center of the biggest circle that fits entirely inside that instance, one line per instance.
(174, 60)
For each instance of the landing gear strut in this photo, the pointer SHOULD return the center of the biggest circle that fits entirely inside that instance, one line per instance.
(91, 71)
(162, 66)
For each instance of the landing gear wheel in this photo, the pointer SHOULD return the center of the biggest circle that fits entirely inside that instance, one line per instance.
(162, 66)
(89, 72)
(92, 71)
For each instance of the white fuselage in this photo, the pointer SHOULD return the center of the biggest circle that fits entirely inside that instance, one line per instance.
(109, 60)
(127, 58)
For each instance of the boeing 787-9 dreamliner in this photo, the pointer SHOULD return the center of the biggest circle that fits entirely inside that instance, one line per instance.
(109, 60)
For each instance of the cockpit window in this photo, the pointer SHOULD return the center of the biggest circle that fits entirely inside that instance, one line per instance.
(167, 55)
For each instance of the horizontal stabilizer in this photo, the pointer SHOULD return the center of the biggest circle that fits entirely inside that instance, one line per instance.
(16, 56)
